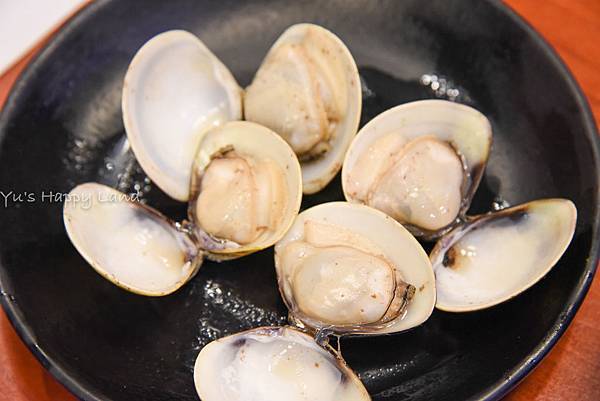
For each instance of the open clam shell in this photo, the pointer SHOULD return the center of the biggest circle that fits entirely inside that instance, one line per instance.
(246, 189)
(419, 162)
(274, 364)
(496, 256)
(129, 244)
(174, 91)
(349, 268)
(308, 91)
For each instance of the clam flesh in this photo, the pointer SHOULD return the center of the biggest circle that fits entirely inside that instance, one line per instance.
(246, 189)
(308, 91)
(274, 364)
(496, 256)
(420, 163)
(349, 268)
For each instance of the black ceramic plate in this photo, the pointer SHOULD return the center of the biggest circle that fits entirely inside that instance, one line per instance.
(62, 126)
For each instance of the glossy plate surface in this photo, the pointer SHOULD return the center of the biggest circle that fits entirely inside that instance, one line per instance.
(62, 126)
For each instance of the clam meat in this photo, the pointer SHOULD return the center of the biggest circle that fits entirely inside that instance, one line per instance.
(308, 91)
(420, 163)
(246, 189)
(352, 269)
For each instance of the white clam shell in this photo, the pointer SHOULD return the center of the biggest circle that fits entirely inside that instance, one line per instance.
(174, 90)
(464, 128)
(129, 244)
(316, 174)
(256, 141)
(397, 245)
(496, 256)
(273, 364)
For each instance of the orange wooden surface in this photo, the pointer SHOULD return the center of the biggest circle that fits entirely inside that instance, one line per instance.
(570, 372)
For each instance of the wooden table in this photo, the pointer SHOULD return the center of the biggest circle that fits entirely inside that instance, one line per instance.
(570, 372)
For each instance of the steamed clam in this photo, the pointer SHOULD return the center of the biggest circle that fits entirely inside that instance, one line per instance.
(420, 163)
(308, 91)
(246, 191)
(274, 364)
(496, 256)
(351, 269)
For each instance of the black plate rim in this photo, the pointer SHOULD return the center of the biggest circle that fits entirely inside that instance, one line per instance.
(494, 392)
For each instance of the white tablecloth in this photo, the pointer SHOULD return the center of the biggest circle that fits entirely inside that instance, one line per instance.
(24, 22)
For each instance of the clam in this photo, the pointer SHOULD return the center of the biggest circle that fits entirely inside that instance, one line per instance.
(420, 163)
(308, 91)
(175, 90)
(246, 191)
(496, 256)
(129, 244)
(348, 268)
(274, 364)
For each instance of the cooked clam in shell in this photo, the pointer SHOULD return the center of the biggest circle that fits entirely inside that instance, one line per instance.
(352, 269)
(420, 163)
(308, 91)
(274, 364)
(246, 189)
